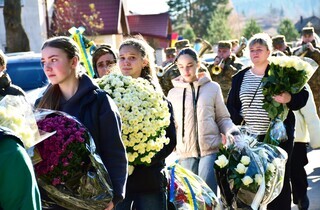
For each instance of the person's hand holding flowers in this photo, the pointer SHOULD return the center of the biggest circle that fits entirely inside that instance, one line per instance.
(286, 76)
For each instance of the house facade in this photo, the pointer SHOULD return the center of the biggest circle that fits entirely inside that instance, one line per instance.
(44, 18)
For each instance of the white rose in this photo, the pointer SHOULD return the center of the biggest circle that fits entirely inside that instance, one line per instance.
(282, 62)
(300, 65)
(222, 161)
(271, 167)
(258, 178)
(241, 169)
(245, 160)
(247, 180)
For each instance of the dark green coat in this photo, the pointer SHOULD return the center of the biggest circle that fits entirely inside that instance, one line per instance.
(18, 185)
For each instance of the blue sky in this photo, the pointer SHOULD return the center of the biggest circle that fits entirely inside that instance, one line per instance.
(147, 6)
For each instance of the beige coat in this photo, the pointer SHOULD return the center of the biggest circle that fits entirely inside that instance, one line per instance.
(212, 114)
(307, 129)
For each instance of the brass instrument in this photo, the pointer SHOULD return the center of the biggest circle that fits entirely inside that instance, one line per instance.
(162, 70)
(159, 71)
(170, 71)
(206, 46)
(242, 45)
(215, 69)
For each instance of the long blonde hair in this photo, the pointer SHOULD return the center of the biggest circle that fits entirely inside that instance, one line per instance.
(147, 52)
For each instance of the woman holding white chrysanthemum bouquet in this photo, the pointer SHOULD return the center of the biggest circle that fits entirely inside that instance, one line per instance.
(148, 130)
(257, 95)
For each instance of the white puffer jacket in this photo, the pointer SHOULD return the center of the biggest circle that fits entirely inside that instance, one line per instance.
(307, 129)
(212, 116)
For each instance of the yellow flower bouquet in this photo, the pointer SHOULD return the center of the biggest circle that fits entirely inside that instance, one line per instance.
(144, 114)
(286, 74)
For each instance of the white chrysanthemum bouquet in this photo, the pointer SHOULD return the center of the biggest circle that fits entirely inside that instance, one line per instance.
(144, 114)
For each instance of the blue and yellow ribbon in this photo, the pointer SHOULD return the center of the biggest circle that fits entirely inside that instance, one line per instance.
(86, 48)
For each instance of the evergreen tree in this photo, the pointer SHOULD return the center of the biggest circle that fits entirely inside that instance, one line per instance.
(251, 28)
(188, 33)
(287, 29)
(197, 13)
(218, 28)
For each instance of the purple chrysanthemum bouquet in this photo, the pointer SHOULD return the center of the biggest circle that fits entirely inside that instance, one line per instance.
(68, 169)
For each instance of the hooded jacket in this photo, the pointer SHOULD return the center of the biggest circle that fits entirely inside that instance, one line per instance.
(99, 114)
(199, 132)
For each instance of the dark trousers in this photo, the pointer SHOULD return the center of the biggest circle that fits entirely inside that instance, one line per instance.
(299, 180)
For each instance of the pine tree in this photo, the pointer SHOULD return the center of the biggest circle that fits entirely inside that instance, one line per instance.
(287, 29)
(251, 28)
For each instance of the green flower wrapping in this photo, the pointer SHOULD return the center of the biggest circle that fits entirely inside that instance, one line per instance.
(286, 74)
(144, 114)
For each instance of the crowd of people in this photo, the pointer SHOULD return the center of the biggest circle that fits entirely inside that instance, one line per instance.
(206, 102)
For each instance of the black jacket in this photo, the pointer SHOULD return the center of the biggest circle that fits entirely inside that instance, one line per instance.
(7, 88)
(145, 179)
(99, 114)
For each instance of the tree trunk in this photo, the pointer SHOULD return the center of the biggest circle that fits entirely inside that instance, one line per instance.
(16, 38)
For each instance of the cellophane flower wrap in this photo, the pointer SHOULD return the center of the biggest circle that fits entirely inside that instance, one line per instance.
(286, 74)
(250, 174)
(70, 170)
(17, 115)
(187, 190)
(144, 114)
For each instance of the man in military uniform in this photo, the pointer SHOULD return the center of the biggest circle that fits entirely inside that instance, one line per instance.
(225, 65)
(280, 45)
(171, 71)
(309, 49)
(170, 55)
(237, 47)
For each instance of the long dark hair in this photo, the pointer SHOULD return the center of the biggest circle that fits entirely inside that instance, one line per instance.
(51, 97)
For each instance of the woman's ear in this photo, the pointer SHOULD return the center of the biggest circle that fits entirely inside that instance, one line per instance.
(74, 61)
(145, 62)
(198, 64)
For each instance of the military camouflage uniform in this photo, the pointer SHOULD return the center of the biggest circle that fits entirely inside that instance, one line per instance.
(314, 82)
(231, 66)
(171, 73)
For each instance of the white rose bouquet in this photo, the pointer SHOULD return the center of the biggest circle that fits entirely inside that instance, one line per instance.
(250, 173)
(286, 74)
(144, 113)
(17, 115)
